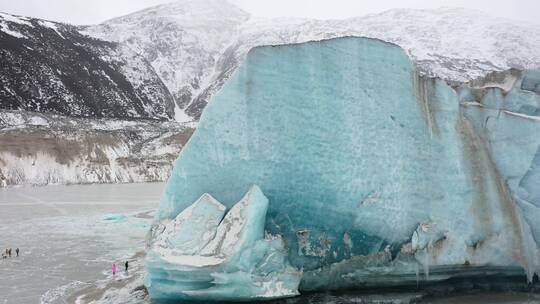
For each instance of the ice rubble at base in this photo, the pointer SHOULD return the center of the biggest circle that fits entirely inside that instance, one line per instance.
(375, 176)
(203, 255)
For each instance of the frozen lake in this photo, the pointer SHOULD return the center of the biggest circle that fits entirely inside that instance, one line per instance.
(69, 236)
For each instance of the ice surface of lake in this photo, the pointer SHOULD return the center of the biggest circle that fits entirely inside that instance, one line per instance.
(69, 236)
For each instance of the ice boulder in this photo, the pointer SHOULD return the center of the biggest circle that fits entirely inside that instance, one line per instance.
(376, 175)
(201, 255)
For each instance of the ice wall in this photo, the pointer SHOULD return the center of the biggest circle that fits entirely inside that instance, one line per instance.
(374, 175)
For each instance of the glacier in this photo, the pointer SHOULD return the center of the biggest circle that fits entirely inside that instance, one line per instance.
(374, 176)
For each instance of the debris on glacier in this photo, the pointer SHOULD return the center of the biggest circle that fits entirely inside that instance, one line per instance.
(204, 255)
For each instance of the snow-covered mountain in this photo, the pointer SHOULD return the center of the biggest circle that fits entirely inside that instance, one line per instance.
(184, 41)
(167, 61)
(76, 109)
(195, 45)
(53, 68)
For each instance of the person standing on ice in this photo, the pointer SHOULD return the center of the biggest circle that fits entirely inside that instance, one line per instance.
(114, 268)
(3, 181)
(17, 251)
(126, 265)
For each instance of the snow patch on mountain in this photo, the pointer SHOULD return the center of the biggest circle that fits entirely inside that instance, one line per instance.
(52, 26)
(5, 28)
(4, 24)
(15, 19)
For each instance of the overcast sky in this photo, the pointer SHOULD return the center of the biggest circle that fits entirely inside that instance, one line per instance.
(95, 11)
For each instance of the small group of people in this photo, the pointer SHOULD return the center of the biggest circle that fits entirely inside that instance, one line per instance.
(3, 180)
(115, 268)
(7, 253)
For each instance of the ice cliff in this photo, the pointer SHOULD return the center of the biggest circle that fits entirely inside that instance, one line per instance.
(375, 176)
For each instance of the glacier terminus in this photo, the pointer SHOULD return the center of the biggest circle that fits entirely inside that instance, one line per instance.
(335, 164)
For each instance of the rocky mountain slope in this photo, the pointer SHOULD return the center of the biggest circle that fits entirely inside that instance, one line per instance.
(52, 68)
(184, 41)
(42, 149)
(76, 109)
(196, 45)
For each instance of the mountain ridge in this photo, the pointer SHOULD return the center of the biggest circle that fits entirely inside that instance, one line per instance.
(51, 67)
(430, 38)
(175, 56)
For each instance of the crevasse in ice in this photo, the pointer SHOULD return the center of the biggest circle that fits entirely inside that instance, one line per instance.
(202, 255)
(374, 175)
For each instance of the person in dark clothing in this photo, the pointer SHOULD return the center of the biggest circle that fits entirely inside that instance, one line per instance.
(9, 252)
(17, 251)
(126, 265)
(3, 180)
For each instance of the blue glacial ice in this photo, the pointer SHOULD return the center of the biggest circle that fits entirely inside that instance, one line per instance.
(202, 255)
(375, 176)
